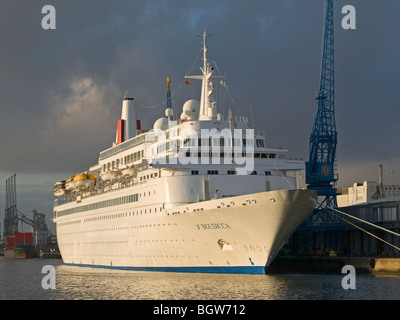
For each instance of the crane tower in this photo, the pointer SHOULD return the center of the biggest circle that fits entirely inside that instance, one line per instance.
(320, 174)
(320, 169)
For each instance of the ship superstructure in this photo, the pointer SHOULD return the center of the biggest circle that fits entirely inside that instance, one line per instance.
(198, 194)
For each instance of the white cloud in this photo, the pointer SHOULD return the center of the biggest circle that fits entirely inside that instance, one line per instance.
(88, 106)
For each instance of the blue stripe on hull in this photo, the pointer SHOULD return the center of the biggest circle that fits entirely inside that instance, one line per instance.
(231, 270)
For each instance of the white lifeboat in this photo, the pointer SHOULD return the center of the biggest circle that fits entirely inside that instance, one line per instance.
(128, 171)
(84, 180)
(110, 175)
(59, 188)
(70, 184)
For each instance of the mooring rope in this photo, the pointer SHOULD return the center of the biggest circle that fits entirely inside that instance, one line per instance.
(366, 222)
(367, 232)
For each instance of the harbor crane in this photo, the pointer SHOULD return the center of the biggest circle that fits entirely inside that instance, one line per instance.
(13, 216)
(320, 168)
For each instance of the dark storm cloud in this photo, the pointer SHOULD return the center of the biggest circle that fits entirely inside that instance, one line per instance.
(367, 79)
(61, 90)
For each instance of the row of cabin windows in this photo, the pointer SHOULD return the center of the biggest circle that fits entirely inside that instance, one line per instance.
(109, 216)
(136, 156)
(229, 172)
(106, 203)
(149, 176)
(221, 141)
(122, 214)
(206, 142)
(101, 204)
(229, 154)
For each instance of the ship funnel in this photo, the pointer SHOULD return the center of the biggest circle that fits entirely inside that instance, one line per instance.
(128, 123)
(129, 115)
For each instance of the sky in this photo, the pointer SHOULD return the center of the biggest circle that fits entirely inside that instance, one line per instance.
(61, 89)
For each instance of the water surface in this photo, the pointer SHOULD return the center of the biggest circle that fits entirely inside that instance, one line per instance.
(22, 279)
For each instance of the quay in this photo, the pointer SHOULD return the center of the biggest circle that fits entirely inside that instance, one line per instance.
(371, 243)
(49, 255)
(334, 265)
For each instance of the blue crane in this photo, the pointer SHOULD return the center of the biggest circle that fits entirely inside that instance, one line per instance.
(320, 174)
(320, 169)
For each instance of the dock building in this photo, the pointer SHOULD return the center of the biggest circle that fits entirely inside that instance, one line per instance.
(376, 203)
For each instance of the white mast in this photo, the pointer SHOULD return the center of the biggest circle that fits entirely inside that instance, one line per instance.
(208, 104)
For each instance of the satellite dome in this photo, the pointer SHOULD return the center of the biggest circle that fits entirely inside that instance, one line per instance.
(160, 123)
(169, 112)
(191, 109)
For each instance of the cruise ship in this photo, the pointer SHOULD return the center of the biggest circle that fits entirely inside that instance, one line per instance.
(196, 193)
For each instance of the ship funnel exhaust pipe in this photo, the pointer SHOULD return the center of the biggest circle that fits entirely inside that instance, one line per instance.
(129, 115)
(127, 125)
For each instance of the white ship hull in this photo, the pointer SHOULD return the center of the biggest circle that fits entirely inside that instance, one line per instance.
(196, 193)
(240, 234)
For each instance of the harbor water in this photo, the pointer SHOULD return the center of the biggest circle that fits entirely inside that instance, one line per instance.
(27, 280)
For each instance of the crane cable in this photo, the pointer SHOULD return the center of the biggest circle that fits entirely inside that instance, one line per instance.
(364, 221)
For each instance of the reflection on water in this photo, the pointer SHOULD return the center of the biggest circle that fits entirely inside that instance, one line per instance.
(21, 279)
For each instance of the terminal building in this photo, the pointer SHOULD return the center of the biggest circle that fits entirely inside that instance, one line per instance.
(376, 203)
